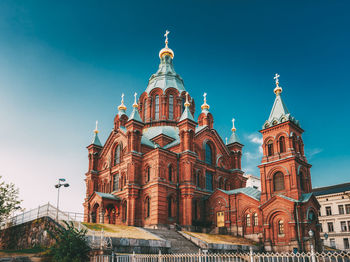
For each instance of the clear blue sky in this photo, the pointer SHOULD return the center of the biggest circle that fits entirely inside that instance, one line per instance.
(64, 64)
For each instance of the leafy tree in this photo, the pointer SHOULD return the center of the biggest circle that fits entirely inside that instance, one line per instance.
(71, 244)
(9, 201)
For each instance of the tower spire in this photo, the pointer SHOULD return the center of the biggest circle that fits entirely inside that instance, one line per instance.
(95, 140)
(186, 113)
(135, 112)
(233, 138)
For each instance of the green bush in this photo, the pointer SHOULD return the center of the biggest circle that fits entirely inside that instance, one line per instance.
(70, 246)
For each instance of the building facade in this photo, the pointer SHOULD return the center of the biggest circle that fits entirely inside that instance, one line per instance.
(253, 181)
(334, 215)
(160, 166)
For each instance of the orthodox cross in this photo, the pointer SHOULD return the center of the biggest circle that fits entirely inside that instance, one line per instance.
(122, 97)
(135, 103)
(233, 125)
(166, 37)
(276, 78)
(205, 97)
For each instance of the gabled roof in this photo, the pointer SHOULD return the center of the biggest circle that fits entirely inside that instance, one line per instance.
(149, 133)
(249, 191)
(303, 199)
(331, 189)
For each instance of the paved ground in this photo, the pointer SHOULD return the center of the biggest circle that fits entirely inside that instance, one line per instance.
(221, 239)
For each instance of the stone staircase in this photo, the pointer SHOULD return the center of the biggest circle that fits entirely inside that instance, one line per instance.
(179, 244)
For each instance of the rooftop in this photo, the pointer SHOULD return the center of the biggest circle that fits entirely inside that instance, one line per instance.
(319, 191)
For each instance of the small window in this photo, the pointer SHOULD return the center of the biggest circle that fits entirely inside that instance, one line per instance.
(343, 226)
(170, 173)
(116, 182)
(256, 222)
(282, 145)
(156, 115)
(278, 181)
(117, 154)
(198, 179)
(328, 211)
(147, 207)
(347, 208)
(280, 227)
(144, 110)
(171, 107)
(341, 209)
(332, 243)
(330, 227)
(148, 174)
(248, 220)
(209, 181)
(346, 243)
(301, 181)
(170, 207)
(270, 148)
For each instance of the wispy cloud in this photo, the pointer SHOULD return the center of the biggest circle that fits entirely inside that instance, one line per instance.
(313, 152)
(252, 156)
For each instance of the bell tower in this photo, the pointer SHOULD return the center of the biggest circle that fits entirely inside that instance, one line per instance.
(284, 169)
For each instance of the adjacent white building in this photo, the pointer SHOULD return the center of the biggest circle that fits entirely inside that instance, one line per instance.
(334, 215)
(253, 181)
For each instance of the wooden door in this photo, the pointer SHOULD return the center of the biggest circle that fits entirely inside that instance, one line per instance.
(220, 219)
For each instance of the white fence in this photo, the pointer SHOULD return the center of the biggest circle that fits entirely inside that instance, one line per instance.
(47, 210)
(229, 257)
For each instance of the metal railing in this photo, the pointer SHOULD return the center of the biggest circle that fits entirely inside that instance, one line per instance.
(46, 210)
(228, 257)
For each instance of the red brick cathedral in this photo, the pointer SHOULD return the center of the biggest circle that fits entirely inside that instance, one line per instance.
(160, 167)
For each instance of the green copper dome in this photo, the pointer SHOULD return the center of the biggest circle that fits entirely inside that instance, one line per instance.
(165, 77)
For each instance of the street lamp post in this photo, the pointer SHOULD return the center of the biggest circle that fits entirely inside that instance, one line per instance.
(58, 192)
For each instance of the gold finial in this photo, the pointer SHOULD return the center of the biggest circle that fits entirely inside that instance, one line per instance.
(96, 129)
(277, 89)
(122, 106)
(187, 103)
(135, 101)
(166, 50)
(205, 105)
(233, 125)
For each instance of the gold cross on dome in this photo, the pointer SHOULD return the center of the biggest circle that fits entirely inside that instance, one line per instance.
(276, 78)
(122, 97)
(166, 37)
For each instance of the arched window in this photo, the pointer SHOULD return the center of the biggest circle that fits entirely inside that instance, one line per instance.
(170, 173)
(183, 104)
(248, 220)
(171, 107)
(148, 174)
(116, 182)
(295, 143)
(147, 207)
(117, 154)
(301, 181)
(282, 144)
(144, 110)
(124, 211)
(208, 154)
(170, 207)
(255, 219)
(270, 148)
(280, 227)
(156, 115)
(278, 181)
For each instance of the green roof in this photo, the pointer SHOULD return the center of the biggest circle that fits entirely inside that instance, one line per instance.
(96, 141)
(165, 77)
(108, 196)
(135, 115)
(249, 191)
(233, 138)
(186, 115)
